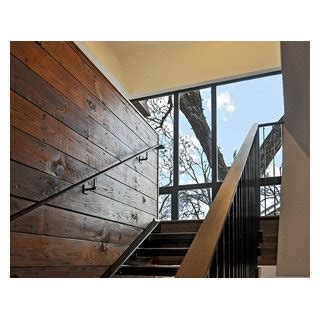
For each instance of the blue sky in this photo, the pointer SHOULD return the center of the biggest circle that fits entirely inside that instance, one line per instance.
(243, 103)
(239, 105)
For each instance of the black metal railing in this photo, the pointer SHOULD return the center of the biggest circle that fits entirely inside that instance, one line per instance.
(81, 182)
(237, 252)
(226, 245)
(270, 167)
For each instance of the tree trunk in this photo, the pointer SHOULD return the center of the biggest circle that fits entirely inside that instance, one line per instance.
(191, 107)
(270, 147)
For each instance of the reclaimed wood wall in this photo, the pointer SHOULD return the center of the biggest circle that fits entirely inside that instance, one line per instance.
(68, 122)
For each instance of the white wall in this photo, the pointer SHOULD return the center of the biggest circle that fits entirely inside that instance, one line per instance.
(141, 68)
(294, 225)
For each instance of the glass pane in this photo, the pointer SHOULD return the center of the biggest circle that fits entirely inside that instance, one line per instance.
(194, 204)
(195, 160)
(240, 105)
(270, 200)
(161, 119)
(164, 207)
(270, 151)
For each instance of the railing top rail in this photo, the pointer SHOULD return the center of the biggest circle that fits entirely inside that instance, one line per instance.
(197, 262)
(59, 193)
(268, 124)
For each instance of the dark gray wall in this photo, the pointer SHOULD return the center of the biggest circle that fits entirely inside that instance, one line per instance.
(294, 226)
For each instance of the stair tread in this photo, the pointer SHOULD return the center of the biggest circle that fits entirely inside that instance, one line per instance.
(157, 248)
(176, 235)
(152, 266)
(181, 221)
(149, 270)
(164, 251)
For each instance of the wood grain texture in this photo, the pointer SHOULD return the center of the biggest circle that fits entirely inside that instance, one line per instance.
(34, 185)
(180, 226)
(59, 272)
(39, 155)
(56, 222)
(99, 74)
(67, 123)
(27, 84)
(269, 242)
(30, 119)
(37, 59)
(36, 250)
(68, 58)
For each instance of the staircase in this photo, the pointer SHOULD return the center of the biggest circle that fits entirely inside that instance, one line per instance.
(161, 252)
(268, 242)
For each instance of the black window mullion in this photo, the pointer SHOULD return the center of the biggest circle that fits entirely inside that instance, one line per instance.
(175, 193)
(215, 184)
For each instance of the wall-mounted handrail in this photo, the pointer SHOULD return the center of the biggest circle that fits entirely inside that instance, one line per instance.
(59, 193)
(198, 260)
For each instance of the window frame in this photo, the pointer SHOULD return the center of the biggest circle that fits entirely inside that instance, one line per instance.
(214, 185)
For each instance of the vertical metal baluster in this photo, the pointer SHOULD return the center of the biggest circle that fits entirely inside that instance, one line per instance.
(227, 247)
(264, 173)
(250, 231)
(221, 256)
(213, 268)
(257, 204)
(274, 172)
(241, 227)
(239, 231)
(245, 220)
(236, 235)
(232, 240)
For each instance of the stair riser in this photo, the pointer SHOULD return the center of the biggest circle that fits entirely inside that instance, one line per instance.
(181, 226)
(167, 244)
(160, 252)
(140, 271)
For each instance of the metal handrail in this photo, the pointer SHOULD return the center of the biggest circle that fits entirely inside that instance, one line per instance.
(59, 193)
(268, 124)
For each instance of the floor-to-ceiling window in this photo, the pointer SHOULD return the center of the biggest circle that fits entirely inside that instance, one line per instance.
(201, 129)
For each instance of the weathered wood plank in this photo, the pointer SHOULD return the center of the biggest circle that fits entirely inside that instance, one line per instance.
(106, 185)
(67, 123)
(72, 62)
(269, 242)
(30, 119)
(34, 185)
(27, 117)
(180, 226)
(32, 87)
(32, 55)
(29, 250)
(113, 189)
(99, 73)
(59, 272)
(39, 155)
(35, 153)
(52, 221)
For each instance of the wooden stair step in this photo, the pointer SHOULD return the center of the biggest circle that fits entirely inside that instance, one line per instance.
(180, 225)
(149, 270)
(152, 252)
(167, 260)
(173, 236)
(165, 240)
